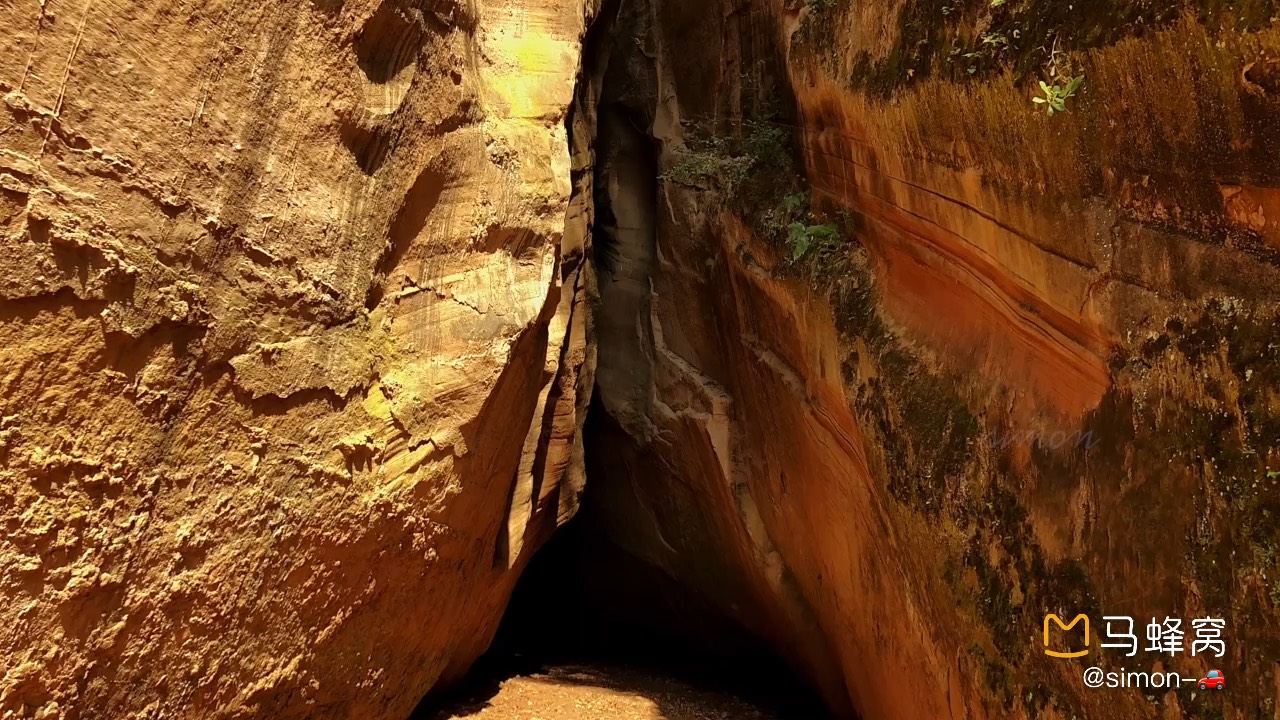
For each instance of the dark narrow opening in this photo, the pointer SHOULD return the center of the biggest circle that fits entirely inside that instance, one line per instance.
(588, 621)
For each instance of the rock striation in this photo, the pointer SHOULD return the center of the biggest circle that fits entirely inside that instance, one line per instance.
(1036, 374)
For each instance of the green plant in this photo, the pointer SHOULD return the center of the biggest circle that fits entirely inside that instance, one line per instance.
(995, 38)
(1273, 474)
(707, 169)
(723, 162)
(755, 175)
(766, 143)
(1056, 95)
(804, 239)
(793, 206)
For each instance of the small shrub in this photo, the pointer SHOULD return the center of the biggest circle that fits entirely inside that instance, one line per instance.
(755, 175)
(708, 169)
(766, 143)
(723, 162)
(795, 202)
(1056, 95)
(774, 219)
(818, 240)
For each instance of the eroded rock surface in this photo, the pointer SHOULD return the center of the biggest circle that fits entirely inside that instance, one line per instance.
(1039, 375)
(292, 350)
(296, 356)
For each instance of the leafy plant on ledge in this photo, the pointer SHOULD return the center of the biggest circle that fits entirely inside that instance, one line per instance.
(710, 167)
(818, 240)
(710, 161)
(1056, 95)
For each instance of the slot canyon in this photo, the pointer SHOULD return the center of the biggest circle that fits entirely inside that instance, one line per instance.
(670, 359)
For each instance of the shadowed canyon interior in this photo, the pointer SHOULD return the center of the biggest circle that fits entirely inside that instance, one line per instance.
(358, 354)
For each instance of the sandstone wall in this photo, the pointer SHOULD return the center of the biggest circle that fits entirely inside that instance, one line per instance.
(296, 352)
(292, 354)
(857, 462)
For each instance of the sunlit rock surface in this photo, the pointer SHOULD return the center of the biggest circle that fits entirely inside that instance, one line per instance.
(299, 323)
(292, 347)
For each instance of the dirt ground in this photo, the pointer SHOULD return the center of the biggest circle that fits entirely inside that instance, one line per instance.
(580, 692)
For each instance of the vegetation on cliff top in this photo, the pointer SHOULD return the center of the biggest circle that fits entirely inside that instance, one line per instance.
(754, 172)
(1033, 40)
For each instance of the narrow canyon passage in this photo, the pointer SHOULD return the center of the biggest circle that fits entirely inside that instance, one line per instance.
(594, 618)
(593, 632)
(638, 359)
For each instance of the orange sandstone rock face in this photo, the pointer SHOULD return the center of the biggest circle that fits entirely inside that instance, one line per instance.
(985, 288)
(863, 470)
(296, 356)
(292, 347)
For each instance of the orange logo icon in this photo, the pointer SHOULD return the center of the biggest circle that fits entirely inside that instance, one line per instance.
(1065, 628)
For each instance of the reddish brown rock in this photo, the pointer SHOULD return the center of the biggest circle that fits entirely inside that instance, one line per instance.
(1038, 376)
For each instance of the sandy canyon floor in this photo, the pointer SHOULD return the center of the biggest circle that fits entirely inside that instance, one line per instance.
(584, 692)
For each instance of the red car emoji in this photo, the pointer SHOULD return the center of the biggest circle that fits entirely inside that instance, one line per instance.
(1213, 680)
